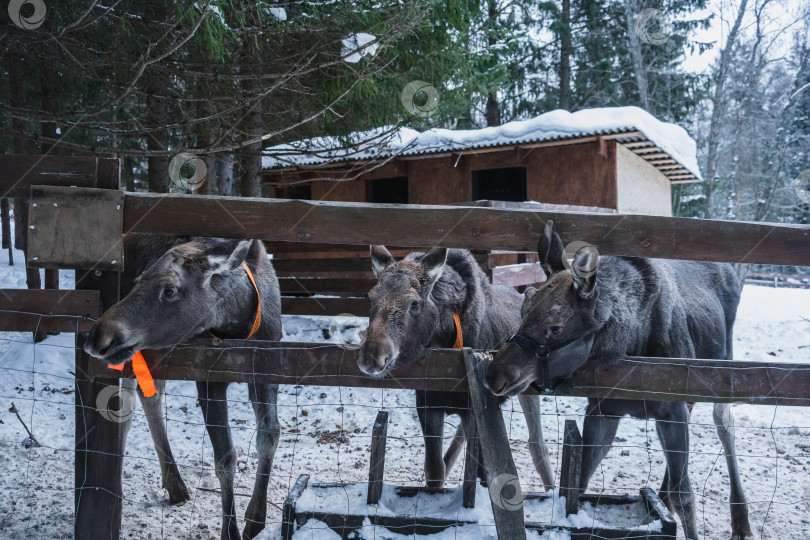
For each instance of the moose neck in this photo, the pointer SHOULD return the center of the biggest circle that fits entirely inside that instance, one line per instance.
(453, 294)
(237, 306)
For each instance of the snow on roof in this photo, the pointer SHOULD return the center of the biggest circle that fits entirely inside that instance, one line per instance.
(555, 125)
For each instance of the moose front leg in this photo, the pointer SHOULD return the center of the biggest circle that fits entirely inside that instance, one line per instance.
(432, 421)
(213, 402)
(153, 410)
(724, 422)
(264, 399)
(598, 432)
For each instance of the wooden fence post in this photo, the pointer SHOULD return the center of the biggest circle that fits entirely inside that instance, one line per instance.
(471, 460)
(507, 507)
(99, 444)
(571, 467)
(99, 435)
(376, 466)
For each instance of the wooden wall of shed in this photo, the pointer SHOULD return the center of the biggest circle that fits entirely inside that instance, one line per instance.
(582, 174)
(573, 174)
(438, 181)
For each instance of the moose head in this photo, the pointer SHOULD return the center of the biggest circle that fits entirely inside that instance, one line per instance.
(557, 317)
(193, 287)
(403, 315)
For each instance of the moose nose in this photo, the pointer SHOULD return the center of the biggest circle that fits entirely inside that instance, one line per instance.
(499, 379)
(374, 358)
(100, 340)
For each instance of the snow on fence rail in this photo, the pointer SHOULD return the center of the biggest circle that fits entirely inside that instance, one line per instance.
(95, 214)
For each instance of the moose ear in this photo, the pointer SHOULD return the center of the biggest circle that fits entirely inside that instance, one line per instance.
(228, 255)
(380, 259)
(527, 296)
(550, 250)
(583, 270)
(433, 263)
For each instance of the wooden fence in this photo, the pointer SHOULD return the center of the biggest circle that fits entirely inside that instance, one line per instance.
(92, 216)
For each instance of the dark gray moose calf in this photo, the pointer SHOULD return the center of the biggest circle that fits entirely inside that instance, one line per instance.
(412, 308)
(179, 290)
(609, 308)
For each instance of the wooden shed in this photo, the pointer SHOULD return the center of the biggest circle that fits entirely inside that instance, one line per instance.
(607, 160)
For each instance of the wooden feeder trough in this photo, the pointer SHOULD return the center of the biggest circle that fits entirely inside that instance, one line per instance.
(345, 508)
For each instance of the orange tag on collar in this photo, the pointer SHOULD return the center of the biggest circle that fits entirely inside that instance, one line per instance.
(459, 344)
(141, 371)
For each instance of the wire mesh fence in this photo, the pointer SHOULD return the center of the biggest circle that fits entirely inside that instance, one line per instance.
(326, 432)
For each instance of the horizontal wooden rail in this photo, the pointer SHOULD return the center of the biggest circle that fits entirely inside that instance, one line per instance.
(307, 285)
(48, 310)
(314, 305)
(20, 172)
(657, 379)
(463, 227)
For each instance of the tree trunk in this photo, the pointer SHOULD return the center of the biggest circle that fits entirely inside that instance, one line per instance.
(158, 138)
(17, 95)
(223, 163)
(719, 110)
(128, 172)
(493, 115)
(48, 91)
(565, 56)
(638, 60)
(251, 155)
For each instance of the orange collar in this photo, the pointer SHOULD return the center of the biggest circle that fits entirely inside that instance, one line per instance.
(459, 344)
(257, 320)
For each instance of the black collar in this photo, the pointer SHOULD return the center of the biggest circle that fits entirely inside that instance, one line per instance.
(541, 352)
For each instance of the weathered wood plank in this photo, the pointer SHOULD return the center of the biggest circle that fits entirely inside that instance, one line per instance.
(313, 305)
(99, 443)
(471, 460)
(571, 467)
(463, 227)
(20, 172)
(75, 228)
(23, 310)
(288, 510)
(376, 466)
(657, 379)
(507, 506)
(306, 285)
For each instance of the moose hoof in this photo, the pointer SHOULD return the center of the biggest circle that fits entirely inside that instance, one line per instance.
(252, 530)
(179, 494)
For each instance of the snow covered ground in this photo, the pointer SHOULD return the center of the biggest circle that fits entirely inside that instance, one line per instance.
(326, 433)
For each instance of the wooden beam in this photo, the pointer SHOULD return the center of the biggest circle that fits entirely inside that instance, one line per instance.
(288, 510)
(20, 172)
(472, 459)
(496, 456)
(305, 285)
(471, 228)
(655, 379)
(376, 465)
(313, 305)
(48, 310)
(571, 469)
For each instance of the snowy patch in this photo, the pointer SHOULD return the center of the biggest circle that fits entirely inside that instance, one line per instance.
(355, 47)
(277, 12)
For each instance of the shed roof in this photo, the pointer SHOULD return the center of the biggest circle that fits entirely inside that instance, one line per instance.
(666, 146)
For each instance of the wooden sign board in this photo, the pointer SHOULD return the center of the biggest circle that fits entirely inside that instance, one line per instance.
(73, 227)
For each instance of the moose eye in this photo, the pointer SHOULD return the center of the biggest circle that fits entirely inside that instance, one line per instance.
(168, 292)
(555, 330)
(414, 306)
